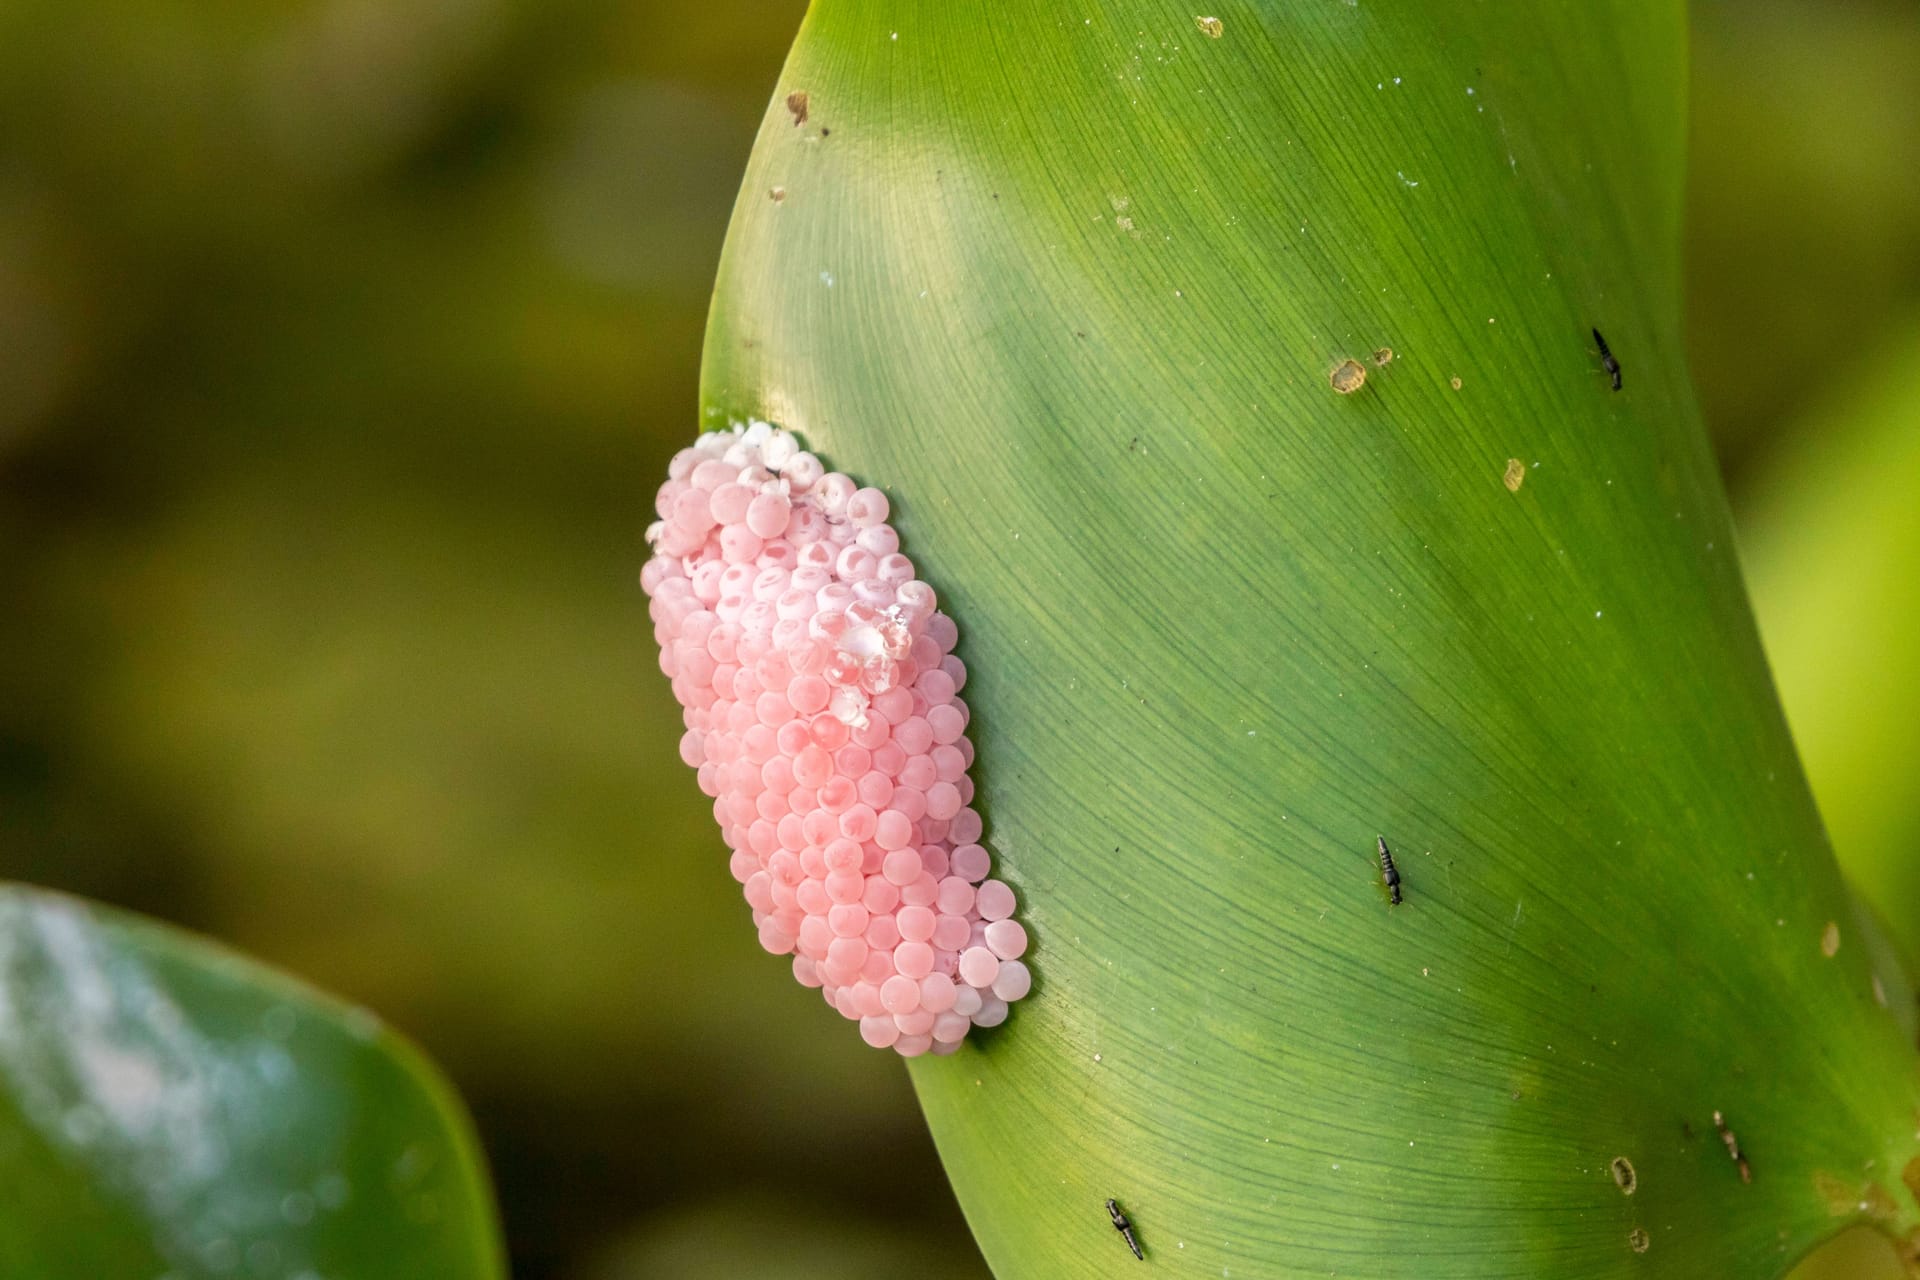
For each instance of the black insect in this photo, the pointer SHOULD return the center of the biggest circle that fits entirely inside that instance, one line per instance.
(1607, 361)
(1125, 1229)
(1389, 872)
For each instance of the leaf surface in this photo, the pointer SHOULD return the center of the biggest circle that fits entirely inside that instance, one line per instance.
(1069, 282)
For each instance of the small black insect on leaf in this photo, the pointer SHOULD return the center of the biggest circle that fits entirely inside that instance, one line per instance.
(1389, 872)
(1607, 361)
(1125, 1229)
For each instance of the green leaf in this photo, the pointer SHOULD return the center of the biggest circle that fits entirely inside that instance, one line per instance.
(1068, 281)
(168, 1108)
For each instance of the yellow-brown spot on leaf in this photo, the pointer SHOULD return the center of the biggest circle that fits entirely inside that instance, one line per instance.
(1833, 1193)
(1845, 1200)
(1830, 940)
(797, 105)
(1911, 1176)
(1211, 26)
(1454, 383)
(777, 195)
(1623, 1175)
(1348, 377)
(1639, 1240)
(1516, 475)
(1383, 356)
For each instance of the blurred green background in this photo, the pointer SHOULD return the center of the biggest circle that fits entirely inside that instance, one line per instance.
(342, 345)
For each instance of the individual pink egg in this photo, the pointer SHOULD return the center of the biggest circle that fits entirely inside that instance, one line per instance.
(900, 994)
(850, 919)
(833, 491)
(879, 539)
(966, 828)
(767, 515)
(971, 863)
(883, 933)
(1005, 938)
(913, 960)
(1013, 981)
(902, 867)
(943, 799)
(923, 892)
(915, 923)
(880, 896)
(846, 953)
(979, 967)
(893, 830)
(917, 1023)
(993, 1012)
(937, 992)
(866, 996)
(995, 900)
(951, 933)
(867, 507)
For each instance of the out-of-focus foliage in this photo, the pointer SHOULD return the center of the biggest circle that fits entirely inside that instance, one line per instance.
(169, 1108)
(1804, 226)
(342, 344)
(1832, 547)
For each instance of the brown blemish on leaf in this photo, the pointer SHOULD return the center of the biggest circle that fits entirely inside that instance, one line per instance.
(1454, 383)
(777, 195)
(797, 105)
(1348, 377)
(1211, 26)
(1639, 1240)
(1830, 940)
(1383, 356)
(1845, 1200)
(1911, 1176)
(1623, 1175)
(1516, 475)
(1733, 1147)
(1835, 1194)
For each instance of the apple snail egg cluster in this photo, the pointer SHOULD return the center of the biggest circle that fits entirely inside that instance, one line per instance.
(822, 703)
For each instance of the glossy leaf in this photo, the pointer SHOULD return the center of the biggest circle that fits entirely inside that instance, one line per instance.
(1069, 282)
(169, 1109)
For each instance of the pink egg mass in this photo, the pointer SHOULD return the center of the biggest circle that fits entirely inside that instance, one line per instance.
(822, 704)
